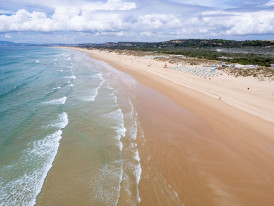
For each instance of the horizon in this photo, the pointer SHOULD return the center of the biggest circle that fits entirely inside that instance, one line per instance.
(89, 21)
(126, 41)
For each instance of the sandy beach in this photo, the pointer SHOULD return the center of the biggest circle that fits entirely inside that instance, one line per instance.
(200, 149)
(136, 103)
(245, 93)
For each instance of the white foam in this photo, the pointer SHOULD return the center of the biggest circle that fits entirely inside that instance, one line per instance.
(25, 189)
(120, 146)
(132, 108)
(71, 85)
(138, 170)
(134, 129)
(94, 92)
(109, 87)
(136, 156)
(112, 174)
(70, 77)
(49, 146)
(121, 131)
(61, 122)
(37, 61)
(138, 173)
(121, 178)
(61, 70)
(56, 101)
(133, 134)
(56, 88)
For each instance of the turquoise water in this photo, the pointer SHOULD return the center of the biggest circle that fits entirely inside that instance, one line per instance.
(47, 95)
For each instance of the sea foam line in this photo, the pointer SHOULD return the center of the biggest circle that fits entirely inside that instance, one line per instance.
(138, 173)
(120, 181)
(120, 129)
(108, 194)
(56, 101)
(95, 91)
(47, 145)
(61, 122)
(70, 77)
(118, 116)
(56, 88)
(25, 189)
(138, 167)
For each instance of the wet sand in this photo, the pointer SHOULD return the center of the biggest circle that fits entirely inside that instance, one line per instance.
(203, 149)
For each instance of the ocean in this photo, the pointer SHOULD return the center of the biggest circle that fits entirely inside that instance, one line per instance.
(68, 130)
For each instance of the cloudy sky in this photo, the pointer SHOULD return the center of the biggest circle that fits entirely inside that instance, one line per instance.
(79, 21)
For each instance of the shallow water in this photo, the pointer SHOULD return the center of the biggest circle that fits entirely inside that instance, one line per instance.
(64, 129)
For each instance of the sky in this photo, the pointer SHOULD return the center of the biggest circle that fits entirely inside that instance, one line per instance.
(97, 21)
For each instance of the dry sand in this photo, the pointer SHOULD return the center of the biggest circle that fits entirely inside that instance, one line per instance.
(201, 150)
(257, 100)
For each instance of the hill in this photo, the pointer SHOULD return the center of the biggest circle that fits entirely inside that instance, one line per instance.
(253, 52)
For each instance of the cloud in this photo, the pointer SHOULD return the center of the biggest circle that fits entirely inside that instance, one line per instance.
(235, 23)
(208, 3)
(158, 21)
(6, 12)
(63, 19)
(109, 5)
(24, 21)
(73, 19)
(143, 19)
(146, 33)
(118, 34)
(270, 3)
(7, 36)
(121, 33)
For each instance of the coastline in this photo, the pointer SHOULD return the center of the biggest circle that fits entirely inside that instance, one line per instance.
(245, 93)
(231, 149)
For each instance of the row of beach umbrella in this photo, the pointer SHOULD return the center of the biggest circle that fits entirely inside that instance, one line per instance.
(201, 72)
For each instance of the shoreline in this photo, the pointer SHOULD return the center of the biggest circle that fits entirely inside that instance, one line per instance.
(237, 92)
(219, 157)
(264, 109)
